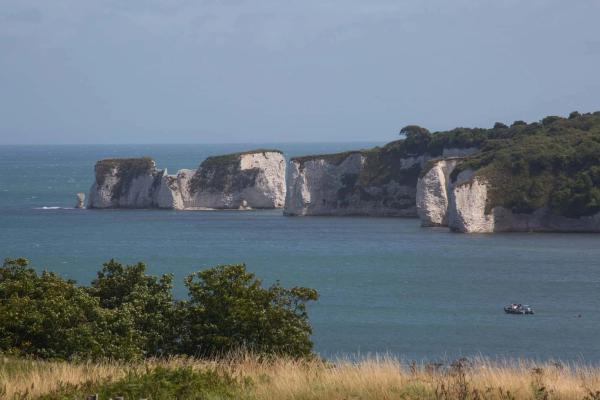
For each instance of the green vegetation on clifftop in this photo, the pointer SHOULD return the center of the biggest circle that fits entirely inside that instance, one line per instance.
(233, 157)
(331, 158)
(553, 163)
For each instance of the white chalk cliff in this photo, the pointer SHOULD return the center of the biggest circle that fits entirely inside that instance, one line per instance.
(125, 183)
(467, 206)
(463, 206)
(468, 214)
(332, 185)
(376, 182)
(313, 185)
(432, 193)
(238, 181)
(254, 179)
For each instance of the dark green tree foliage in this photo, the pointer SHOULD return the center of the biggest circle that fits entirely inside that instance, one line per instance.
(416, 139)
(549, 120)
(554, 164)
(148, 298)
(457, 138)
(46, 316)
(229, 309)
(126, 314)
(574, 114)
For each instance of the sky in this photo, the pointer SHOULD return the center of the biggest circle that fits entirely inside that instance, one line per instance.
(220, 71)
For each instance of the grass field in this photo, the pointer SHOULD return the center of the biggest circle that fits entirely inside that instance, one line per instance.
(248, 377)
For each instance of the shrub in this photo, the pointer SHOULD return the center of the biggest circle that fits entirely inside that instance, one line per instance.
(46, 316)
(126, 314)
(229, 309)
(149, 299)
(183, 383)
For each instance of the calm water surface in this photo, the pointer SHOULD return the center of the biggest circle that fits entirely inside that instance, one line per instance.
(386, 285)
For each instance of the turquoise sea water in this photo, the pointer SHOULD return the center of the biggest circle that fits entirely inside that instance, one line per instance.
(386, 284)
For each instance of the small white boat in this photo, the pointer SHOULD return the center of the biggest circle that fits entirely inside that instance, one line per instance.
(518, 309)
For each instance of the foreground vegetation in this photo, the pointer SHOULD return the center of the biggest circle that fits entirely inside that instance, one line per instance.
(281, 378)
(127, 314)
(125, 336)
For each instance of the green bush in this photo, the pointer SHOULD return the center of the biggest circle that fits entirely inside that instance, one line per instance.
(126, 314)
(149, 299)
(46, 316)
(229, 309)
(183, 383)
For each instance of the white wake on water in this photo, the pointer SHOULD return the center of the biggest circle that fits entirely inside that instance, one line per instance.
(54, 208)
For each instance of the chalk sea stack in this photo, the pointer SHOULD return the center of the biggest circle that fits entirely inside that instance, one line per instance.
(247, 180)
(80, 202)
(253, 179)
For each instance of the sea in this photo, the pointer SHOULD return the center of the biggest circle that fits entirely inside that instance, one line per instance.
(386, 285)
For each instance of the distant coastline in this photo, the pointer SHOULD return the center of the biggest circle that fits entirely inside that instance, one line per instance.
(536, 177)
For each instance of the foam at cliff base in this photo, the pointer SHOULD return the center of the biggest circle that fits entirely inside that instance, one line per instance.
(53, 208)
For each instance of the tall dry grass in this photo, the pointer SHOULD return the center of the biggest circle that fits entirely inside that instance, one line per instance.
(378, 378)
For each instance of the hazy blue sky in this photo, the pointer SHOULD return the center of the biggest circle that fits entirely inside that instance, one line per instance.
(129, 71)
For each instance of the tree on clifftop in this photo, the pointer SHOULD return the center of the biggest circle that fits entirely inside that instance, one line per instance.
(416, 138)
